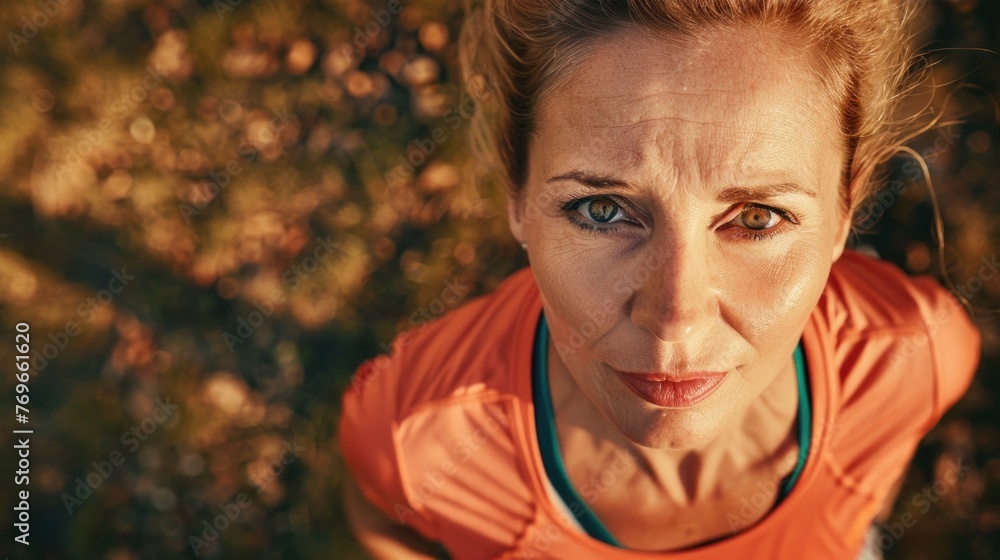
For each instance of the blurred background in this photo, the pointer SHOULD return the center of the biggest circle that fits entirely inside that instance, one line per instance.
(212, 211)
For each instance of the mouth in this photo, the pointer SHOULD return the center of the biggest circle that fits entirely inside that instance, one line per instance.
(673, 391)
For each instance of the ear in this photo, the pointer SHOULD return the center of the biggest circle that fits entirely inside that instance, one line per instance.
(843, 230)
(515, 215)
(845, 220)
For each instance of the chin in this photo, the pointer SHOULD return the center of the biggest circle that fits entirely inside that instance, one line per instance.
(673, 429)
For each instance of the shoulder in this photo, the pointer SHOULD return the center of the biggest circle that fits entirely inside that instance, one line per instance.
(464, 349)
(872, 293)
(887, 323)
(466, 355)
(902, 350)
(468, 350)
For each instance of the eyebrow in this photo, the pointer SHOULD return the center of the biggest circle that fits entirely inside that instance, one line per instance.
(737, 194)
(731, 194)
(593, 181)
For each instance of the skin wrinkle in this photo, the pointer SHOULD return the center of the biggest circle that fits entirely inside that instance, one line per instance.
(655, 120)
(676, 291)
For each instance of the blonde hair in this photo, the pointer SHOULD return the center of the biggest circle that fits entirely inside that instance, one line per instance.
(523, 47)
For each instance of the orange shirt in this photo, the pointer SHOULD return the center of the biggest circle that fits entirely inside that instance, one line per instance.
(441, 435)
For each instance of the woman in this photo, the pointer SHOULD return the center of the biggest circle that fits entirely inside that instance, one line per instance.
(693, 366)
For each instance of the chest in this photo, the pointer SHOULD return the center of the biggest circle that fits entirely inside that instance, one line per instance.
(640, 517)
(697, 507)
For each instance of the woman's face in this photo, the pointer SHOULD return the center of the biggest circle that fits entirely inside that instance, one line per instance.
(682, 214)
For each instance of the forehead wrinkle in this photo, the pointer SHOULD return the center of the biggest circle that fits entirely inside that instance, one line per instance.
(627, 105)
(649, 120)
(723, 154)
(751, 134)
(664, 156)
(605, 65)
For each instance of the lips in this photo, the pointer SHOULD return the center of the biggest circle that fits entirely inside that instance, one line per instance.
(673, 391)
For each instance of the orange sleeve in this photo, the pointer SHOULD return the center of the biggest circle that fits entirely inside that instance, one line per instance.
(955, 345)
(367, 437)
(899, 375)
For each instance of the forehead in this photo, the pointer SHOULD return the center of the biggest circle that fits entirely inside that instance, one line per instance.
(730, 103)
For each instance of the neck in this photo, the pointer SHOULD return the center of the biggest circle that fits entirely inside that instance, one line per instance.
(762, 436)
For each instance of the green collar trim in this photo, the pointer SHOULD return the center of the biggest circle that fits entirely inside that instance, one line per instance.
(805, 422)
(548, 442)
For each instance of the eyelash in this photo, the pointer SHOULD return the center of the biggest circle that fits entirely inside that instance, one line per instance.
(570, 206)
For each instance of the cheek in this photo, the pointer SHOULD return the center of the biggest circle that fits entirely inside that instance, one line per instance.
(573, 279)
(768, 296)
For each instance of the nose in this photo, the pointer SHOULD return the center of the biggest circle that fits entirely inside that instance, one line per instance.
(674, 295)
